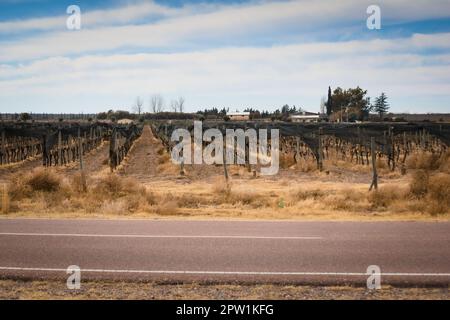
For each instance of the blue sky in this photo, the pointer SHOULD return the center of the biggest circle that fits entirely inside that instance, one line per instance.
(261, 54)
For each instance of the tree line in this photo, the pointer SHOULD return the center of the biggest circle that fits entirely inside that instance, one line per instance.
(353, 104)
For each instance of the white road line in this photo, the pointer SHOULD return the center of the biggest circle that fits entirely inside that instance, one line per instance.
(233, 272)
(152, 236)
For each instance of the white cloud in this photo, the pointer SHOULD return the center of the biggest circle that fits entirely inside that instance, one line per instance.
(90, 19)
(260, 77)
(197, 25)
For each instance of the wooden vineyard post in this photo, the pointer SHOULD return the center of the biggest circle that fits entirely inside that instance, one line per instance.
(374, 183)
(319, 151)
(405, 153)
(297, 149)
(59, 148)
(113, 150)
(80, 152)
(182, 166)
(3, 159)
(225, 171)
(44, 151)
(392, 148)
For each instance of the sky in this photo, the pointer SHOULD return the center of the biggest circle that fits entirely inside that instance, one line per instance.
(234, 54)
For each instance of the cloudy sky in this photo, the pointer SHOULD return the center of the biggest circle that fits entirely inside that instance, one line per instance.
(235, 54)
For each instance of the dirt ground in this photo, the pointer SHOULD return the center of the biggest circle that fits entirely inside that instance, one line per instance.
(20, 289)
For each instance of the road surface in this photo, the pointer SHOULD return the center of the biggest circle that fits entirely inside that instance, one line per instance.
(411, 253)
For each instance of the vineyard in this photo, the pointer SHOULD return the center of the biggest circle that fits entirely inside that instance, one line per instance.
(58, 145)
(127, 169)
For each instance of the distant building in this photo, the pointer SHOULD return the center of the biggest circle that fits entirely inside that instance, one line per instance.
(239, 116)
(125, 121)
(306, 117)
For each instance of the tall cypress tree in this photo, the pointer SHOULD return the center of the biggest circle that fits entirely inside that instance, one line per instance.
(329, 102)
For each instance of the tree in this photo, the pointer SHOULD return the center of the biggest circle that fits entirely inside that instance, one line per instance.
(366, 110)
(181, 104)
(157, 103)
(174, 105)
(25, 116)
(137, 108)
(351, 103)
(381, 106)
(329, 101)
(323, 105)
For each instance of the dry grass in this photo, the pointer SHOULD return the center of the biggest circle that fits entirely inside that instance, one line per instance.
(5, 199)
(46, 190)
(385, 196)
(167, 207)
(438, 195)
(38, 180)
(418, 186)
(429, 161)
(422, 194)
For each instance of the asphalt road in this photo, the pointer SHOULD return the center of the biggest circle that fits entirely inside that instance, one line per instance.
(410, 253)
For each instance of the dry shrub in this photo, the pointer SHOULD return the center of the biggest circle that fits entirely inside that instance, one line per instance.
(444, 165)
(346, 199)
(191, 201)
(115, 185)
(439, 187)
(302, 194)
(221, 186)
(381, 163)
(168, 207)
(114, 207)
(39, 180)
(169, 168)
(224, 193)
(5, 199)
(164, 158)
(385, 196)
(79, 182)
(248, 198)
(243, 198)
(44, 180)
(305, 165)
(109, 184)
(424, 161)
(439, 193)
(418, 186)
(126, 194)
(432, 190)
(286, 160)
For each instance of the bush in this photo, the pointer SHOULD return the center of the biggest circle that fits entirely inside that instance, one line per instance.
(114, 185)
(438, 194)
(424, 161)
(418, 186)
(384, 197)
(43, 179)
(167, 208)
(4, 199)
(40, 179)
(302, 194)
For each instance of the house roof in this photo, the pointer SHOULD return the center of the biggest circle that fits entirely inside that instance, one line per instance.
(305, 115)
(238, 113)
